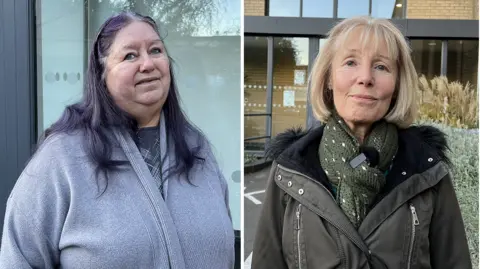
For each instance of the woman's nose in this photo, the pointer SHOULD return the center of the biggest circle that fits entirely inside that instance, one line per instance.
(365, 76)
(147, 64)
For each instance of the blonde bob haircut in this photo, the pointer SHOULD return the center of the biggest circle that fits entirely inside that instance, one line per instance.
(403, 110)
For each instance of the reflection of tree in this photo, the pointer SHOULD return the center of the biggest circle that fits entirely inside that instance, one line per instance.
(185, 18)
(233, 29)
(285, 58)
(286, 52)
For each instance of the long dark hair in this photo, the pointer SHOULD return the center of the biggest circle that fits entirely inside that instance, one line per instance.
(96, 114)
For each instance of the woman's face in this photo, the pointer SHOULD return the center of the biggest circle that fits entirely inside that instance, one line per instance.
(363, 81)
(137, 70)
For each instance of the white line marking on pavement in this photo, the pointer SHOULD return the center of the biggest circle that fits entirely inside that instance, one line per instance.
(250, 197)
(253, 199)
(248, 262)
(255, 192)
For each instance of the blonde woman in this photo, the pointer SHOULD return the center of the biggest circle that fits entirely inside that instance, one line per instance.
(366, 189)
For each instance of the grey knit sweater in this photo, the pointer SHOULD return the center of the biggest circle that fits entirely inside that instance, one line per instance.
(55, 217)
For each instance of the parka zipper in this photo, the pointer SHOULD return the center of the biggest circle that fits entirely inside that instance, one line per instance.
(297, 228)
(415, 222)
(359, 244)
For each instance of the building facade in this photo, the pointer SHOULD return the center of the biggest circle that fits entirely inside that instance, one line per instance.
(45, 45)
(283, 37)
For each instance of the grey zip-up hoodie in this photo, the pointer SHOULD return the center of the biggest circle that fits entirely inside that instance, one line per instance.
(55, 217)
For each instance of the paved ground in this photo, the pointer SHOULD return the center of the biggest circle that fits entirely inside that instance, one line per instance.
(254, 195)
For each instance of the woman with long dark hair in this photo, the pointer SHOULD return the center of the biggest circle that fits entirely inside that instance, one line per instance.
(122, 179)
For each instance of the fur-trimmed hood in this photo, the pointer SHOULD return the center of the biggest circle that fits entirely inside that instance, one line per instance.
(432, 137)
(420, 147)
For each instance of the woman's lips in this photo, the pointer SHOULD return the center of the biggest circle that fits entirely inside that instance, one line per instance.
(364, 98)
(147, 82)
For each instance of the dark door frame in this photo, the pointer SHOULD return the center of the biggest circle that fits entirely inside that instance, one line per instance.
(17, 92)
(319, 27)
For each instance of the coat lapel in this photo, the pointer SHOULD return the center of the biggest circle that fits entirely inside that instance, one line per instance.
(164, 220)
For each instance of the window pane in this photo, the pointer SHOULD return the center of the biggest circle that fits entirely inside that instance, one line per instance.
(255, 74)
(462, 61)
(284, 8)
(387, 9)
(317, 8)
(426, 56)
(349, 8)
(203, 39)
(255, 89)
(255, 127)
(289, 84)
(321, 42)
(61, 58)
(442, 9)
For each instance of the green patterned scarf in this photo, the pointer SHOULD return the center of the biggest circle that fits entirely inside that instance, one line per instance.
(356, 188)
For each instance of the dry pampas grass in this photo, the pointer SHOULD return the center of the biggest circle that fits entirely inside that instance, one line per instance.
(449, 103)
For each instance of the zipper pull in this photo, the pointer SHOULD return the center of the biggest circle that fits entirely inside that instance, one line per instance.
(297, 226)
(414, 215)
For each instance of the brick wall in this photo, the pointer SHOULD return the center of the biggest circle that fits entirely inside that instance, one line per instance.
(476, 9)
(442, 9)
(254, 7)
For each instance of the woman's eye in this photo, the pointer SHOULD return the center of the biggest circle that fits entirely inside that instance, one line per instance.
(129, 56)
(156, 51)
(350, 63)
(381, 67)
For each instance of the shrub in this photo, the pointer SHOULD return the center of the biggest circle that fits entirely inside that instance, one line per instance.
(464, 157)
(449, 103)
(249, 158)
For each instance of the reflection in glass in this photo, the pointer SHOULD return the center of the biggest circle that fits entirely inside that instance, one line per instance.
(198, 17)
(350, 8)
(462, 61)
(284, 8)
(390, 9)
(426, 56)
(321, 42)
(60, 50)
(255, 90)
(290, 75)
(258, 145)
(317, 8)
